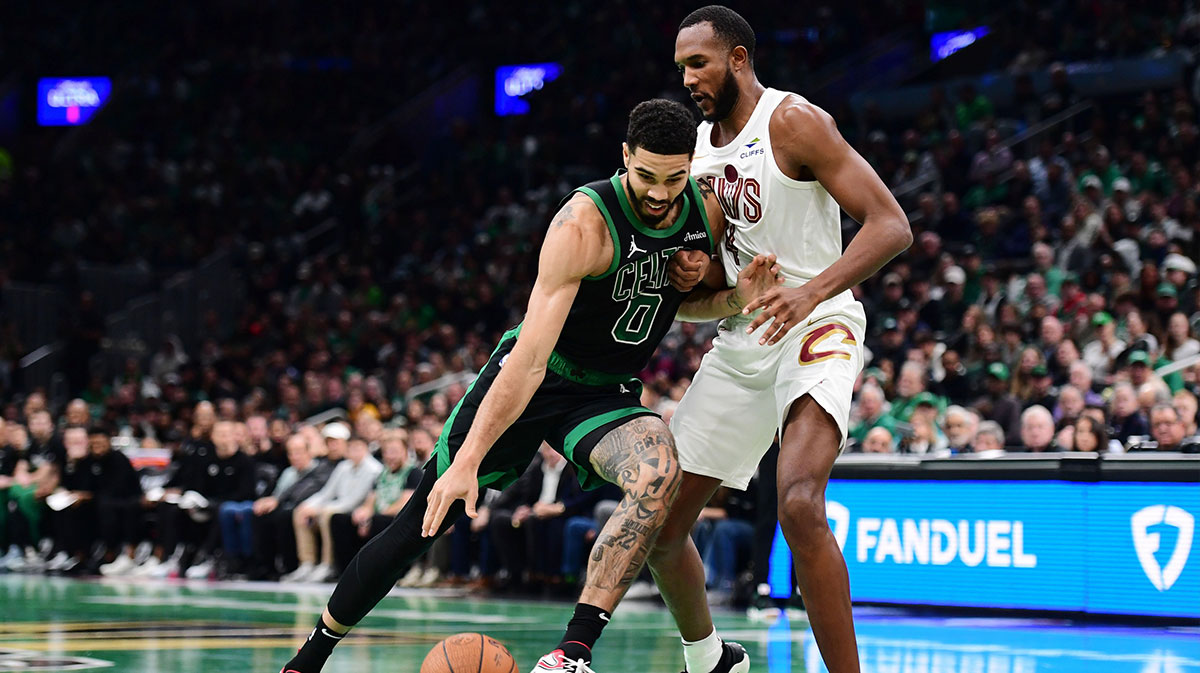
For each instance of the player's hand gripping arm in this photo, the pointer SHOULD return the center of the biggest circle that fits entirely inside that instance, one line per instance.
(707, 302)
(809, 138)
(712, 299)
(689, 268)
(574, 248)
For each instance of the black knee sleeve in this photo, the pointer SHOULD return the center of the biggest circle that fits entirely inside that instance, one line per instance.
(376, 568)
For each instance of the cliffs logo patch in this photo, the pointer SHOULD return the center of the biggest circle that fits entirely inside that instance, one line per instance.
(1147, 542)
(750, 151)
(810, 348)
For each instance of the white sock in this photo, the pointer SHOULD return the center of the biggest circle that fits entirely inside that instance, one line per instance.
(702, 656)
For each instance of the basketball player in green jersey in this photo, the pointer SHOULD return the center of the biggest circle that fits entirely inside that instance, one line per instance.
(602, 301)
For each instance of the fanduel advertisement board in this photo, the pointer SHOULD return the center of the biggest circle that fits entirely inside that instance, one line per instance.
(1113, 547)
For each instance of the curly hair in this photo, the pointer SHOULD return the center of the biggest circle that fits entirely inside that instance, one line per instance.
(661, 126)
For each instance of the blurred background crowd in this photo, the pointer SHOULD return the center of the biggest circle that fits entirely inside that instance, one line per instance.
(240, 304)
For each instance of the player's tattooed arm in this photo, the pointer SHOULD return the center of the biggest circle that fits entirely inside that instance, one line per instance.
(639, 457)
(567, 214)
(579, 247)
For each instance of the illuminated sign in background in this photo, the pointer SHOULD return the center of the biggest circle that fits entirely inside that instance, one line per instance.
(942, 45)
(514, 81)
(1112, 547)
(71, 101)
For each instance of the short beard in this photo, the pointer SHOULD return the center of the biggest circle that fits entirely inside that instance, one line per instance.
(639, 207)
(652, 220)
(725, 99)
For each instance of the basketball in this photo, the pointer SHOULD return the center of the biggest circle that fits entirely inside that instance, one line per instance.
(469, 653)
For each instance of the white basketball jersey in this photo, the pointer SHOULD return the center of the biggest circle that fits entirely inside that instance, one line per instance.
(766, 211)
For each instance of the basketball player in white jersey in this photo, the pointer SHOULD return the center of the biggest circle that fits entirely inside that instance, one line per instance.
(787, 363)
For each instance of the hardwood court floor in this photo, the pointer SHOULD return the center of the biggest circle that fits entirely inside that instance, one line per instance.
(53, 624)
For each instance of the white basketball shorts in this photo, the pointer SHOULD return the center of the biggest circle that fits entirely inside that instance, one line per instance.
(741, 395)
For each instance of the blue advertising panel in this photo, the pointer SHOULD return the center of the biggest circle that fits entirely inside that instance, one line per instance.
(514, 81)
(71, 101)
(1117, 548)
(1143, 554)
(1001, 544)
(942, 45)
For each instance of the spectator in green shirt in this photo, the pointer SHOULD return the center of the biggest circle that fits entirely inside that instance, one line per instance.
(1102, 167)
(393, 488)
(871, 413)
(973, 107)
(1146, 176)
(988, 192)
(1043, 262)
(910, 387)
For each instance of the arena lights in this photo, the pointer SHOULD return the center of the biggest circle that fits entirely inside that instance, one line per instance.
(71, 101)
(514, 81)
(942, 45)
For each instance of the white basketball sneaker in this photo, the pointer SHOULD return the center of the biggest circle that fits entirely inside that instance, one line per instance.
(122, 565)
(557, 662)
(733, 659)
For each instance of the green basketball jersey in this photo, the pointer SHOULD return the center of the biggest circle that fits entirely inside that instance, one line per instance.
(619, 317)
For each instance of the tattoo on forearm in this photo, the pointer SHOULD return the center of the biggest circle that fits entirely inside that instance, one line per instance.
(640, 458)
(704, 186)
(565, 215)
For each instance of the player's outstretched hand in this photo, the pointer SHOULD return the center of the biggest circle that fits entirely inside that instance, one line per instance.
(458, 482)
(759, 276)
(687, 268)
(784, 307)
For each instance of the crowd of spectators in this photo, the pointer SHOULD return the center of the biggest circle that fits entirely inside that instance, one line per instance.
(1048, 303)
(254, 499)
(1042, 292)
(235, 132)
(254, 496)
(1029, 35)
(235, 137)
